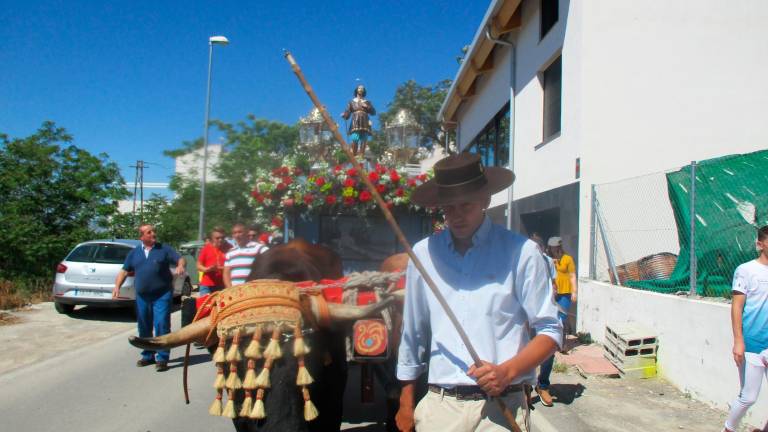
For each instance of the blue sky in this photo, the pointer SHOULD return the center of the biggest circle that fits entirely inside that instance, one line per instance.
(128, 77)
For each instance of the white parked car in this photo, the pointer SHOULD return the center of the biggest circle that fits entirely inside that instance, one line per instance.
(87, 276)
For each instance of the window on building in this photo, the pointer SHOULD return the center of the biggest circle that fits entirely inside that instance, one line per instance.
(552, 78)
(549, 15)
(492, 143)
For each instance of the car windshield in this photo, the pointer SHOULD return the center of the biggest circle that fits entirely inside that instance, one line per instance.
(104, 253)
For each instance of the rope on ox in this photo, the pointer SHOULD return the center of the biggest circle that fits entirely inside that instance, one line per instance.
(396, 228)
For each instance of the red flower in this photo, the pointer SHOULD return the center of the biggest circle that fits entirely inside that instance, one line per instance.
(277, 221)
(365, 196)
(380, 188)
(337, 168)
(352, 172)
(320, 181)
(287, 180)
(288, 202)
(297, 171)
(380, 169)
(349, 182)
(263, 238)
(390, 204)
(411, 182)
(284, 171)
(330, 199)
(394, 176)
(348, 201)
(281, 186)
(308, 198)
(422, 177)
(255, 193)
(373, 176)
(276, 171)
(399, 192)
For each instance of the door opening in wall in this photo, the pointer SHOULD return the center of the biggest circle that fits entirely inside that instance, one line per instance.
(545, 222)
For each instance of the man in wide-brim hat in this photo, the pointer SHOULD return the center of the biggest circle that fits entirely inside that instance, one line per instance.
(496, 283)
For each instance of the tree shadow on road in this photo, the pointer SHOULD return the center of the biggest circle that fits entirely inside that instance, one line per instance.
(114, 314)
(193, 360)
(92, 313)
(566, 393)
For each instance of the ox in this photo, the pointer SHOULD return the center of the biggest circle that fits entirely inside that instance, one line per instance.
(295, 261)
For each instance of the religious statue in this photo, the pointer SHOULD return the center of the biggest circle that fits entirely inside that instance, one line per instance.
(359, 129)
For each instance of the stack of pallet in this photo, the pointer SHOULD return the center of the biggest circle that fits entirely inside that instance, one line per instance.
(632, 349)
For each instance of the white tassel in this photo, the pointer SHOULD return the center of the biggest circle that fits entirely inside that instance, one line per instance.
(254, 348)
(215, 409)
(233, 381)
(303, 377)
(249, 382)
(258, 411)
(234, 350)
(245, 410)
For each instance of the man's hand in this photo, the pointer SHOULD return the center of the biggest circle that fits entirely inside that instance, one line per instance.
(115, 292)
(738, 352)
(180, 270)
(404, 419)
(493, 379)
(573, 297)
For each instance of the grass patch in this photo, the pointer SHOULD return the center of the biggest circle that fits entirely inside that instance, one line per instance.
(560, 367)
(21, 292)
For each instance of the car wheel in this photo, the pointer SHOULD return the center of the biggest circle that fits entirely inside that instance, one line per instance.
(63, 308)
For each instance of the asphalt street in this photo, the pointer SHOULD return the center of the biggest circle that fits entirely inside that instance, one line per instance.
(97, 387)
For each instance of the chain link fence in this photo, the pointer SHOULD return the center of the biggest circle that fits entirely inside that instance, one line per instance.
(685, 229)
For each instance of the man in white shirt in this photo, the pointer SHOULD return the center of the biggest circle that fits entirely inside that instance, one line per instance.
(497, 284)
(238, 261)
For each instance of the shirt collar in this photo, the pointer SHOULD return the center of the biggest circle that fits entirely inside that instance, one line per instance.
(479, 237)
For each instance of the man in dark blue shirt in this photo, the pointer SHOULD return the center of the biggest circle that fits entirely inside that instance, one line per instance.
(153, 280)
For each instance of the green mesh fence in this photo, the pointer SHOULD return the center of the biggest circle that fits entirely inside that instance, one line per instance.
(731, 201)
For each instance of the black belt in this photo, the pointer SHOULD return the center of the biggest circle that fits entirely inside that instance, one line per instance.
(471, 392)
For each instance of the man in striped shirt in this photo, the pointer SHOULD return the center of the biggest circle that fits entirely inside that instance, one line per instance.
(237, 264)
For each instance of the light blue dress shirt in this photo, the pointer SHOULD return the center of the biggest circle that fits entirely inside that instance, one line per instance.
(499, 290)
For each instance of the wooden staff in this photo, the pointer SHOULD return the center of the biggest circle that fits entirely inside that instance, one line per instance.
(398, 232)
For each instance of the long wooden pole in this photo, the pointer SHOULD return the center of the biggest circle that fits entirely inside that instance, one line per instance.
(395, 227)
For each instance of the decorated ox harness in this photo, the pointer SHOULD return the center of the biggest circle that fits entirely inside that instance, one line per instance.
(250, 320)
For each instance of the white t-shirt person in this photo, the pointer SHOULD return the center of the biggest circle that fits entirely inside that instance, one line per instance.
(239, 260)
(751, 279)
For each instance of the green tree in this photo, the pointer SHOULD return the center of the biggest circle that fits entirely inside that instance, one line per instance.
(54, 196)
(251, 146)
(423, 101)
(125, 225)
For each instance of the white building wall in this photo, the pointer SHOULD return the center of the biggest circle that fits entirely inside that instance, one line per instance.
(695, 339)
(189, 166)
(553, 164)
(665, 83)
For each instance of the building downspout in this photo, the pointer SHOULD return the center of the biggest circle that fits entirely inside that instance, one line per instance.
(512, 87)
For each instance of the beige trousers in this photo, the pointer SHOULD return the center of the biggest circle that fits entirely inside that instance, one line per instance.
(442, 413)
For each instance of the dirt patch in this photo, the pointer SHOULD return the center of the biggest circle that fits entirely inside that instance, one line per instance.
(7, 318)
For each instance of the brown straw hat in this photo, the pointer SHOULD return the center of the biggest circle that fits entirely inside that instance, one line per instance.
(461, 178)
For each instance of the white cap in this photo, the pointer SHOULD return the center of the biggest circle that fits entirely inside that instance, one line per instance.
(555, 241)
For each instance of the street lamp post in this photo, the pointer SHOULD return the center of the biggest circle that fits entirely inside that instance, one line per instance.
(213, 40)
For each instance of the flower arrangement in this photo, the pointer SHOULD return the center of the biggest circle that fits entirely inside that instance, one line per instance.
(329, 189)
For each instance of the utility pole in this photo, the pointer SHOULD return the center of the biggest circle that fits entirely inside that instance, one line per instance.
(138, 181)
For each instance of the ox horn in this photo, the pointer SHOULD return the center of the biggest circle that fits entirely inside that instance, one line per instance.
(345, 312)
(195, 332)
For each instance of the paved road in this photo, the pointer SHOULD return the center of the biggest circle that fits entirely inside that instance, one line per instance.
(96, 387)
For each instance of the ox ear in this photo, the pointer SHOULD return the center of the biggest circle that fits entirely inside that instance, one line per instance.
(344, 312)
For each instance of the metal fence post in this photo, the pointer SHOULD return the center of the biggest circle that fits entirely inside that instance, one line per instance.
(692, 243)
(606, 246)
(592, 237)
